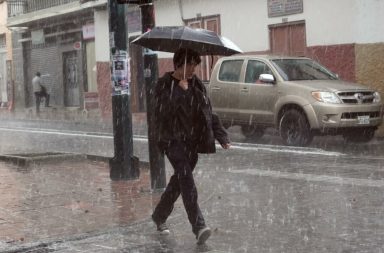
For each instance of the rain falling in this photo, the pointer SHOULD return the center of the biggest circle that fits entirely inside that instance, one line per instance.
(184, 126)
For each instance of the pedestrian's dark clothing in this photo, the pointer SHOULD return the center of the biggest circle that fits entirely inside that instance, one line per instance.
(38, 96)
(172, 113)
(40, 92)
(187, 127)
(183, 159)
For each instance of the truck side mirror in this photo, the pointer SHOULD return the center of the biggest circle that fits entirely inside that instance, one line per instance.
(267, 78)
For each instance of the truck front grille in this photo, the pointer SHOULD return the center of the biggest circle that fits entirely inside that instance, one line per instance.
(356, 97)
(354, 115)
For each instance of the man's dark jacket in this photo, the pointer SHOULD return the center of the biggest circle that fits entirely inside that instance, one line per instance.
(169, 113)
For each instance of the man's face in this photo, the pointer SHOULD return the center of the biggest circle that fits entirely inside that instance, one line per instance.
(189, 70)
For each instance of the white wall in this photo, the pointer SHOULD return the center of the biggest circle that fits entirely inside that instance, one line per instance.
(101, 36)
(330, 22)
(370, 18)
(245, 22)
(241, 29)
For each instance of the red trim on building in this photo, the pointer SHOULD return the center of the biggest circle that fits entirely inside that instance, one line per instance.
(340, 59)
(104, 88)
(165, 65)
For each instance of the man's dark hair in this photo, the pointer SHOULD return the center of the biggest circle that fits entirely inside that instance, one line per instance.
(38, 74)
(179, 57)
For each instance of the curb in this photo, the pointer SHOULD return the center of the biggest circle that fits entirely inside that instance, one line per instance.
(26, 159)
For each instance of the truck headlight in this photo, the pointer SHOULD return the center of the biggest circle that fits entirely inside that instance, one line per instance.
(376, 97)
(326, 97)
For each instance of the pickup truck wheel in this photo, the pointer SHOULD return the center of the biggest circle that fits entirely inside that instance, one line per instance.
(252, 132)
(359, 135)
(294, 129)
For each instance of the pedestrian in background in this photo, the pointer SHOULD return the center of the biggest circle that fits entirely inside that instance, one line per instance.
(187, 126)
(40, 91)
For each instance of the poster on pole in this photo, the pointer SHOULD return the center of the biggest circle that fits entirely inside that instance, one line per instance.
(121, 75)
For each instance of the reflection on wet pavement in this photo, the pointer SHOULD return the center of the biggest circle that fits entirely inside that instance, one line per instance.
(54, 200)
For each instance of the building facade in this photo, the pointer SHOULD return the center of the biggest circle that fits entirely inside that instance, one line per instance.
(67, 41)
(6, 91)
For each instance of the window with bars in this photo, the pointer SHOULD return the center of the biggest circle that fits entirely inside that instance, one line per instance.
(2, 41)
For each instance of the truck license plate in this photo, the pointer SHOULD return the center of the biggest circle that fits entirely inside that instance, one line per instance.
(363, 120)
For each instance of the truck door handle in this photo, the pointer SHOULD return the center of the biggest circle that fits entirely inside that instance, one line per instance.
(215, 88)
(245, 89)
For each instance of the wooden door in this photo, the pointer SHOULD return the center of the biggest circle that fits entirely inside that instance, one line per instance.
(203, 71)
(288, 39)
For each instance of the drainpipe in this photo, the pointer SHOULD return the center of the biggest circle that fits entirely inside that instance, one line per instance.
(181, 11)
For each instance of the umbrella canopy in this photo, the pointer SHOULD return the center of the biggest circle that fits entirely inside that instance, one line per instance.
(171, 38)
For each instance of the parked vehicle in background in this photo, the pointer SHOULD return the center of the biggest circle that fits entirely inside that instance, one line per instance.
(295, 95)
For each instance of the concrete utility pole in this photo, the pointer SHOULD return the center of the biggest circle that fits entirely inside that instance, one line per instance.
(156, 158)
(123, 166)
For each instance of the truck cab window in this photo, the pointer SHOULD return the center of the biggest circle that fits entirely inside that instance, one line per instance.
(254, 70)
(230, 71)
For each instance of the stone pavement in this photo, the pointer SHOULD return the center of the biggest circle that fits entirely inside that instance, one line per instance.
(52, 201)
(73, 206)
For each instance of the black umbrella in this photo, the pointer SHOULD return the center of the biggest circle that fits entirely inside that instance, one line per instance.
(171, 38)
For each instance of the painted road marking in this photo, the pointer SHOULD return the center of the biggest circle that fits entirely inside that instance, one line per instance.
(286, 149)
(312, 177)
(142, 138)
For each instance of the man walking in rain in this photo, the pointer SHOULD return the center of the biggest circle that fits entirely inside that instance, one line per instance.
(187, 126)
(40, 91)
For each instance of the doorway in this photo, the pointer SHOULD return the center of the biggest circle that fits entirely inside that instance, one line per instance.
(71, 79)
(212, 23)
(3, 79)
(288, 39)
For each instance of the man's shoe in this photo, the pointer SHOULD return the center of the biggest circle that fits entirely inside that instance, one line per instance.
(203, 235)
(161, 227)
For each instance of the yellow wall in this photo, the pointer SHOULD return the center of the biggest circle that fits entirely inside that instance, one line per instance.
(370, 68)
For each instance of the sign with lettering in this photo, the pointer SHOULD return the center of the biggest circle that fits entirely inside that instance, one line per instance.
(278, 8)
(37, 37)
(88, 31)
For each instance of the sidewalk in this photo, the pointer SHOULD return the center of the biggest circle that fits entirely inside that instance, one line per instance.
(73, 206)
(70, 200)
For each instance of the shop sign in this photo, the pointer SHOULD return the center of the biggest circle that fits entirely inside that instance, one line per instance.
(88, 31)
(278, 8)
(37, 37)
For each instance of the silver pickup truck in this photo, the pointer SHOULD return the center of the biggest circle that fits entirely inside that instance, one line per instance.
(297, 96)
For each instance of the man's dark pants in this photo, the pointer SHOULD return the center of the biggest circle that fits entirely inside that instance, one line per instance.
(183, 158)
(38, 96)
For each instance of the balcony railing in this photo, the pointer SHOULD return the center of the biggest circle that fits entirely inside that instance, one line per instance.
(18, 7)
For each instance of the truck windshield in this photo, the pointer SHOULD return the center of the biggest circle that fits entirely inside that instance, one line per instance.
(302, 69)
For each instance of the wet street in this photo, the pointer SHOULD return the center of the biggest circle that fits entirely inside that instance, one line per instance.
(257, 197)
